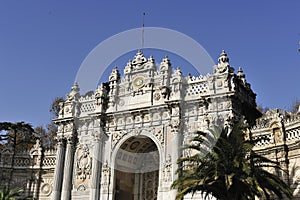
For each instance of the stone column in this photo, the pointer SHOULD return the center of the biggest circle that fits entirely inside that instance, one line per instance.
(59, 168)
(68, 172)
(96, 169)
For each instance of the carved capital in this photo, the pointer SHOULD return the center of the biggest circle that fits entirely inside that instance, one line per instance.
(175, 123)
(70, 140)
(60, 141)
(97, 136)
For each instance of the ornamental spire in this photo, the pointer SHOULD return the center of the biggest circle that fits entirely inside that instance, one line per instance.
(223, 58)
(74, 92)
(223, 63)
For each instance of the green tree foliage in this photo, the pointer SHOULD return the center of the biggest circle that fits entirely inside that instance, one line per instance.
(20, 135)
(46, 136)
(228, 170)
(55, 106)
(12, 194)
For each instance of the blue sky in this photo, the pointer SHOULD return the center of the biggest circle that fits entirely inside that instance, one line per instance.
(43, 43)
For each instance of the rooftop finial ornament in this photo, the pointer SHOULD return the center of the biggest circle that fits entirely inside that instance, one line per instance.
(223, 63)
(75, 89)
(223, 57)
(139, 59)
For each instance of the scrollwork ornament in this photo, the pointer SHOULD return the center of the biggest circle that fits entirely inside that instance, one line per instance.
(160, 136)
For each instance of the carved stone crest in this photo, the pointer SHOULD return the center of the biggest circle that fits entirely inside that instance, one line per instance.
(84, 163)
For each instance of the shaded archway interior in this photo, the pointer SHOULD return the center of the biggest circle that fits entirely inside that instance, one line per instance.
(136, 169)
(139, 144)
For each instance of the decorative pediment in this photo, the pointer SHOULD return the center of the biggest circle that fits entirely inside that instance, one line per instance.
(139, 63)
(139, 59)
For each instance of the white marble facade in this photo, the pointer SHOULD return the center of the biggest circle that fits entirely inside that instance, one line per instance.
(122, 141)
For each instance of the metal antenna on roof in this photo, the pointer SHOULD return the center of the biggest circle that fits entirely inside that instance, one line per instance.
(143, 25)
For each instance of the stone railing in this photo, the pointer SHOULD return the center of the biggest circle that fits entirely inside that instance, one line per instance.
(197, 86)
(292, 135)
(265, 137)
(26, 160)
(264, 140)
(87, 104)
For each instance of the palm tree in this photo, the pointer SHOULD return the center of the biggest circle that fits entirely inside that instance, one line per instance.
(9, 194)
(228, 170)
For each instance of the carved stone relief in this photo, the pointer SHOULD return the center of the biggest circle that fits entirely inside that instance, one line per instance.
(84, 163)
(105, 176)
(159, 135)
(167, 171)
(47, 186)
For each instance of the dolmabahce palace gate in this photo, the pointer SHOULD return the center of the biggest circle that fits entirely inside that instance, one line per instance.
(122, 141)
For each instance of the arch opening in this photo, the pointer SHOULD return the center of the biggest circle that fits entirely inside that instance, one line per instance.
(136, 169)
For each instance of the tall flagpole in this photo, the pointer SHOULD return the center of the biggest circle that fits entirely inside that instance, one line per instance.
(143, 25)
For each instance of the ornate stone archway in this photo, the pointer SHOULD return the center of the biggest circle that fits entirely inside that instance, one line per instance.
(136, 169)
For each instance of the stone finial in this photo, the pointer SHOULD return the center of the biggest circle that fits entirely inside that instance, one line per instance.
(75, 88)
(74, 92)
(114, 75)
(100, 96)
(242, 77)
(177, 72)
(101, 91)
(139, 59)
(128, 67)
(240, 73)
(165, 64)
(166, 60)
(151, 59)
(223, 58)
(223, 63)
(36, 149)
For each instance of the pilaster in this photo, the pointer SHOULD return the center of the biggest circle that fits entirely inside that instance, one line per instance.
(96, 168)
